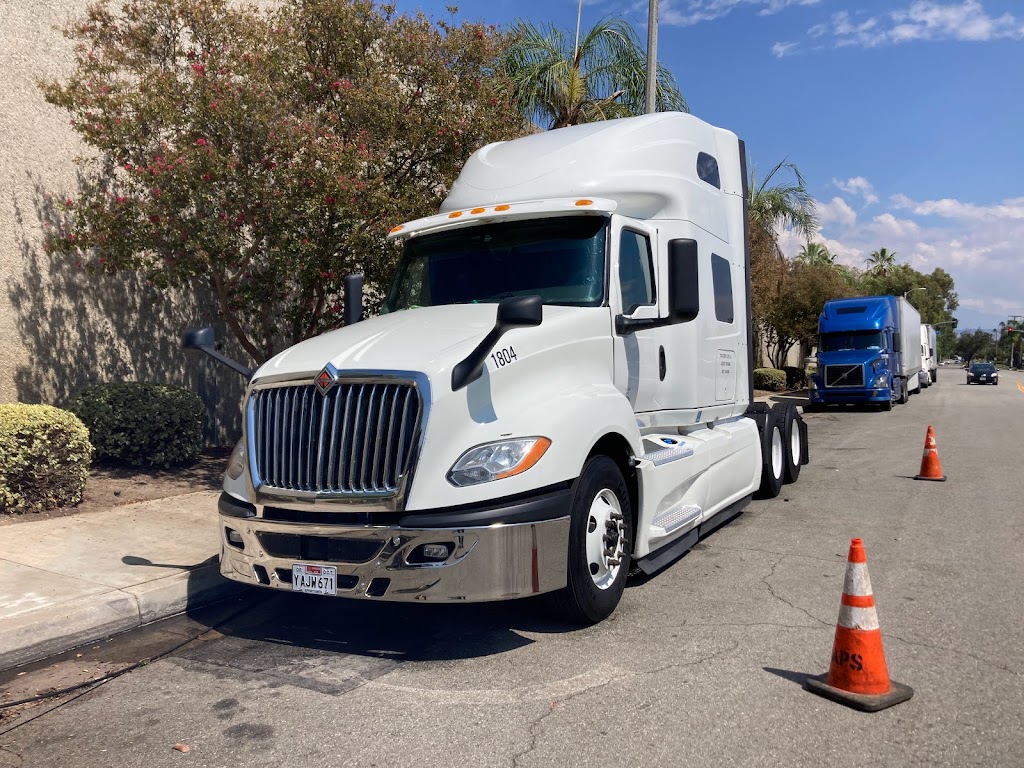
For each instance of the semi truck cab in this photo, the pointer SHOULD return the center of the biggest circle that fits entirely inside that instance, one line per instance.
(558, 387)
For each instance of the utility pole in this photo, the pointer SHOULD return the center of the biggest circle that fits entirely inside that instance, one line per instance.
(652, 56)
(1013, 339)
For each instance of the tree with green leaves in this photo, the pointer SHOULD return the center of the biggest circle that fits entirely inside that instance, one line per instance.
(881, 262)
(266, 153)
(557, 82)
(773, 205)
(792, 318)
(975, 345)
(815, 253)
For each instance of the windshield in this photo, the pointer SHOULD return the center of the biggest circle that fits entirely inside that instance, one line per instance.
(983, 368)
(841, 342)
(559, 259)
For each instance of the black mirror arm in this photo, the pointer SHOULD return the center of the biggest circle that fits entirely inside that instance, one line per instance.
(469, 370)
(234, 365)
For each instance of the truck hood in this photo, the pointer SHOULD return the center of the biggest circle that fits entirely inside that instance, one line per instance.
(431, 340)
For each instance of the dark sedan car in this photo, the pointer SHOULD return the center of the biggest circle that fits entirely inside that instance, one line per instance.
(982, 373)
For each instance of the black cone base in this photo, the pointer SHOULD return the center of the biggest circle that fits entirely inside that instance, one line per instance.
(865, 703)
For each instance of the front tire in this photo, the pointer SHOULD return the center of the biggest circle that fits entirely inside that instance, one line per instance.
(600, 550)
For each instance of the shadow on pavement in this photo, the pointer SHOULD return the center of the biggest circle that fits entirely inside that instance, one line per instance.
(794, 677)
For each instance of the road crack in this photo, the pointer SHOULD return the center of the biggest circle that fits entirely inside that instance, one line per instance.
(780, 598)
(954, 651)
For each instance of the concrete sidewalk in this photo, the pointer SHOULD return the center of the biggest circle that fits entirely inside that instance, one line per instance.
(73, 580)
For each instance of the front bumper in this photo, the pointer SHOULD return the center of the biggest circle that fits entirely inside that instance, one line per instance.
(825, 396)
(486, 561)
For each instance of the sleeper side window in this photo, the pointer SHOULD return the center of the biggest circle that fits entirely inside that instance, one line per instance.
(721, 276)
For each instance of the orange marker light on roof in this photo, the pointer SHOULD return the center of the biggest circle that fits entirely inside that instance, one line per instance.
(584, 202)
(454, 214)
(396, 229)
(478, 210)
(501, 207)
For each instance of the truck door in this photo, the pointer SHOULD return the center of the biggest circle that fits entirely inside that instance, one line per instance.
(633, 296)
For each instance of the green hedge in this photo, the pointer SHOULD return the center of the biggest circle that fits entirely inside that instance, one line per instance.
(44, 457)
(142, 424)
(769, 379)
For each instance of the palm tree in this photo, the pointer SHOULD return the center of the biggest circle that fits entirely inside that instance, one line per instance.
(770, 208)
(880, 262)
(816, 254)
(556, 84)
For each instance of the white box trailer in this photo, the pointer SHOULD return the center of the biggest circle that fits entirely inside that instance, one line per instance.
(909, 320)
(559, 387)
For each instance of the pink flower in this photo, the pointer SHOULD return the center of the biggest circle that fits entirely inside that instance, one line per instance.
(120, 198)
(329, 199)
(200, 142)
(199, 69)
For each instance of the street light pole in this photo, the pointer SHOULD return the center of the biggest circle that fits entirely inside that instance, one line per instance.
(652, 57)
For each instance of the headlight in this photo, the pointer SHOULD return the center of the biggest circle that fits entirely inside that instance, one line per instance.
(236, 464)
(494, 461)
(880, 382)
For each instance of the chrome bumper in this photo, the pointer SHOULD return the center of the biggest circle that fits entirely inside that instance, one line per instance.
(496, 562)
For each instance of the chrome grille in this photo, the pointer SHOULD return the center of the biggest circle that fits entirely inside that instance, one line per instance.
(357, 439)
(844, 375)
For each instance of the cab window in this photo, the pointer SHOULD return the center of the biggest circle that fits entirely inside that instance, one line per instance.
(636, 271)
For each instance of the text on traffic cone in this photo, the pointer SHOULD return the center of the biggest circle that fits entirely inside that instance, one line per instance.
(931, 469)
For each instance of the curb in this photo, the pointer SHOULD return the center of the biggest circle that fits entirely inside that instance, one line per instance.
(37, 634)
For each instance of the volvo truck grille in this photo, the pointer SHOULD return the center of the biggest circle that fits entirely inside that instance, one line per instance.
(357, 439)
(844, 375)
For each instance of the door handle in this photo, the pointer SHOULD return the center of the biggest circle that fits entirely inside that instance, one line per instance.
(662, 368)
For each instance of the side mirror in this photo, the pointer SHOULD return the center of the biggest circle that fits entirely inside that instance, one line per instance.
(353, 299)
(683, 290)
(513, 312)
(204, 339)
(519, 312)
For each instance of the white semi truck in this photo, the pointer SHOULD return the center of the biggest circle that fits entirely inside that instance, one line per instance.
(929, 360)
(558, 389)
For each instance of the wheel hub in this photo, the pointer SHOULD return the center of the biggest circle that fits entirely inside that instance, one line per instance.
(606, 538)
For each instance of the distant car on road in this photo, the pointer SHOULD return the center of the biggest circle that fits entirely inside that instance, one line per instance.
(982, 373)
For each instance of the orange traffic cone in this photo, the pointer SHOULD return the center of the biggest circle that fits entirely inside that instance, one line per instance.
(930, 467)
(858, 676)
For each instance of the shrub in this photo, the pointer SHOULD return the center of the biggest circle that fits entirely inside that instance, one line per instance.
(142, 424)
(795, 377)
(769, 379)
(44, 457)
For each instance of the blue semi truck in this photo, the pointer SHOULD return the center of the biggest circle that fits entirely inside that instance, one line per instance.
(869, 351)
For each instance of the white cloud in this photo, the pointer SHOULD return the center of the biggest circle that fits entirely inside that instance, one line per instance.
(858, 185)
(888, 225)
(696, 11)
(922, 20)
(836, 211)
(978, 244)
(783, 49)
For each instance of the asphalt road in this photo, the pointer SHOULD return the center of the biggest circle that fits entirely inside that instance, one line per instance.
(701, 665)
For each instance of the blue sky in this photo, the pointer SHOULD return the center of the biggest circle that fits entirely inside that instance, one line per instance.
(905, 116)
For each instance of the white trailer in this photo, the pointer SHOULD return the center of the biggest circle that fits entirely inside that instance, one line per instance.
(909, 322)
(558, 389)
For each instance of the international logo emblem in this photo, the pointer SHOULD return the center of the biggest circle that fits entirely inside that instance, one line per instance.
(326, 379)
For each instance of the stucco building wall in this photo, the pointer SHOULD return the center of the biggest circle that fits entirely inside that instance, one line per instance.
(59, 327)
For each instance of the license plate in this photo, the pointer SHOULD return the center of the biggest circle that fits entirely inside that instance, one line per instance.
(315, 579)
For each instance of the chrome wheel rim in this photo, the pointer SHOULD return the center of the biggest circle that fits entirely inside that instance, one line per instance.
(794, 443)
(606, 538)
(777, 452)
